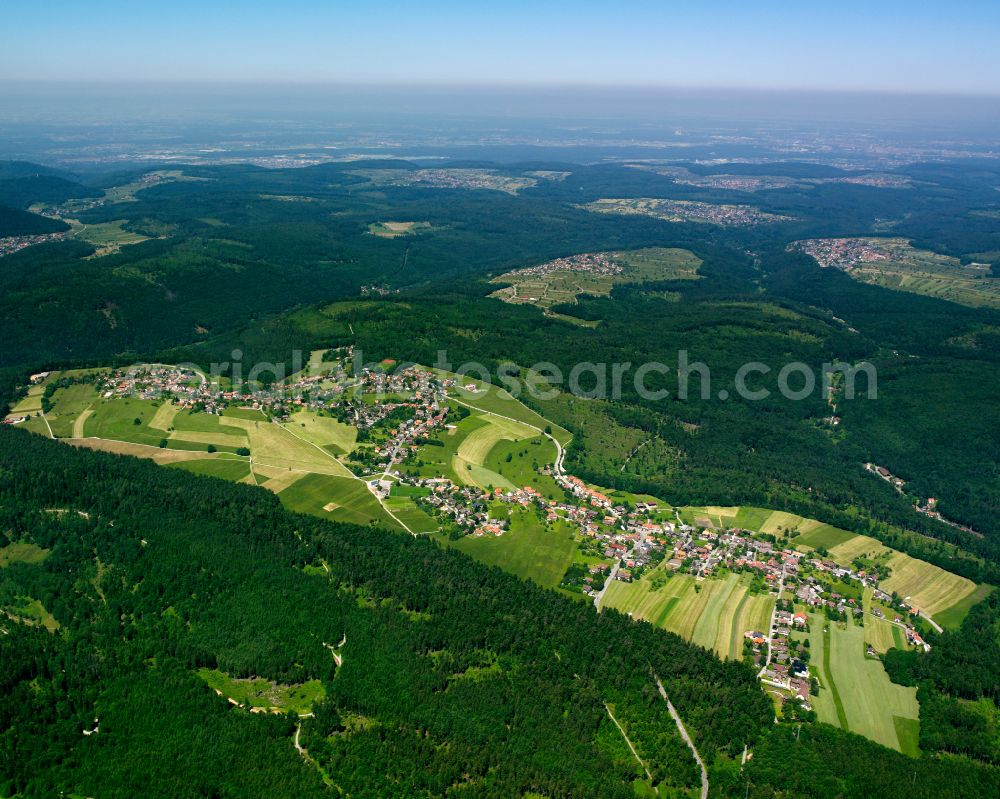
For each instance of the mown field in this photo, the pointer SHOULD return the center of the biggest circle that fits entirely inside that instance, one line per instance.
(468, 462)
(401, 502)
(232, 469)
(530, 548)
(323, 431)
(714, 613)
(332, 497)
(856, 693)
(933, 589)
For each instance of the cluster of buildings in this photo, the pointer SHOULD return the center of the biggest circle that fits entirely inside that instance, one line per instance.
(929, 508)
(598, 263)
(689, 211)
(12, 244)
(627, 536)
(880, 471)
(469, 179)
(739, 182)
(788, 665)
(406, 405)
(878, 180)
(842, 253)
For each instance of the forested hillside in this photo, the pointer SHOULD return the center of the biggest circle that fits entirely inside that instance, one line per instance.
(454, 677)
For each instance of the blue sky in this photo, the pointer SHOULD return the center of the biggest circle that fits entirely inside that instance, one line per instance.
(876, 45)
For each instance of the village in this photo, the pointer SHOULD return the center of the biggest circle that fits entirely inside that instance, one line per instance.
(725, 215)
(392, 411)
(12, 244)
(842, 253)
(598, 263)
(398, 413)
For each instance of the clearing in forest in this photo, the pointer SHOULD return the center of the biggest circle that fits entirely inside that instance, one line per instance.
(563, 280)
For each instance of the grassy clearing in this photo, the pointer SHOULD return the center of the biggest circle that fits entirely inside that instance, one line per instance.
(812, 534)
(476, 446)
(439, 461)
(226, 442)
(393, 230)
(257, 692)
(150, 451)
(931, 588)
(704, 517)
(190, 422)
(31, 611)
(30, 402)
(468, 462)
(22, 552)
(824, 536)
(857, 693)
(780, 522)
(519, 461)
(352, 500)
(529, 549)
(115, 419)
(857, 546)
(273, 479)
(882, 635)
(407, 511)
(164, 417)
(251, 414)
(106, 237)
(496, 400)
(748, 518)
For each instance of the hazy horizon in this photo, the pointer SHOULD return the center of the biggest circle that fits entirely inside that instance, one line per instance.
(855, 46)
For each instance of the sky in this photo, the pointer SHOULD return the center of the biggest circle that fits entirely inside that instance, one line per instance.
(842, 45)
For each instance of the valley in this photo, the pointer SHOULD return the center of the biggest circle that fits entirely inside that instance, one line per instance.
(431, 453)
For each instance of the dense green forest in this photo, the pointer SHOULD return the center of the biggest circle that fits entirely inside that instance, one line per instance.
(15, 222)
(152, 573)
(455, 679)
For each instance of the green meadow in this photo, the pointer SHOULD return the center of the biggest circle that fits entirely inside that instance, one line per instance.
(856, 693)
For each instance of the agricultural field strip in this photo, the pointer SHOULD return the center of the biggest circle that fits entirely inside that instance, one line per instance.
(559, 447)
(349, 473)
(932, 588)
